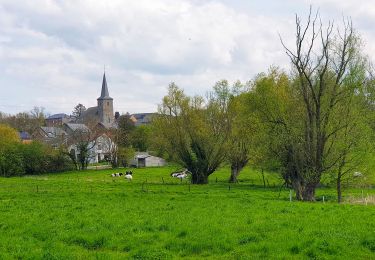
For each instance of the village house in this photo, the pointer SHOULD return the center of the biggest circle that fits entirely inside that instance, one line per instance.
(89, 128)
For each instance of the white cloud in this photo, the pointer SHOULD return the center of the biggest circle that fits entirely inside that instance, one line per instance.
(52, 52)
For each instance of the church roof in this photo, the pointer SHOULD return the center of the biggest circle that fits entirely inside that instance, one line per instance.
(105, 93)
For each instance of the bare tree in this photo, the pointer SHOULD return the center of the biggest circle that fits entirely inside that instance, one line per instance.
(327, 65)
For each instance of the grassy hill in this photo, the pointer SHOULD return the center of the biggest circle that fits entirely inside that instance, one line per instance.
(92, 215)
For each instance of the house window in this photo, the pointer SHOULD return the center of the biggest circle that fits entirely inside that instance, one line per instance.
(107, 103)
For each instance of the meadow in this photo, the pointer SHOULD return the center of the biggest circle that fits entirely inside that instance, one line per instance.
(90, 215)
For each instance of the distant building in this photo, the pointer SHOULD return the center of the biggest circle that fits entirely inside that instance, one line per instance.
(57, 120)
(144, 159)
(25, 137)
(103, 112)
(70, 128)
(52, 135)
(142, 118)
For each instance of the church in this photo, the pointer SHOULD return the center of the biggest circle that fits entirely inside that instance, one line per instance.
(103, 112)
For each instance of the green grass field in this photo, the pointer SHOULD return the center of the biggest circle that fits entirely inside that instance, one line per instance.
(88, 215)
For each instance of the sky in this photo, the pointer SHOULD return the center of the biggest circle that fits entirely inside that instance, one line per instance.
(53, 52)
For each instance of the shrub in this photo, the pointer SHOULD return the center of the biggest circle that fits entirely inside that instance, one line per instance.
(11, 161)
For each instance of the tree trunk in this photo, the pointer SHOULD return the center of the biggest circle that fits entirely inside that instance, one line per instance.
(339, 195)
(235, 170)
(304, 192)
(297, 188)
(308, 193)
(264, 182)
(199, 178)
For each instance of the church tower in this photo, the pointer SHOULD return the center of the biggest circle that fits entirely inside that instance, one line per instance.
(105, 105)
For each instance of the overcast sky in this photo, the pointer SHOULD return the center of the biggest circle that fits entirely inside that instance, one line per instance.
(52, 52)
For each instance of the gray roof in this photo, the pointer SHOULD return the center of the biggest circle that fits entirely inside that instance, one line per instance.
(105, 93)
(142, 155)
(143, 118)
(91, 112)
(53, 131)
(75, 127)
(57, 116)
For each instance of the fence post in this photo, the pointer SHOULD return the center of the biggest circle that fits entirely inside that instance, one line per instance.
(290, 195)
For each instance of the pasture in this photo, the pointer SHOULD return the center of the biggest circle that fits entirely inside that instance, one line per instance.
(90, 215)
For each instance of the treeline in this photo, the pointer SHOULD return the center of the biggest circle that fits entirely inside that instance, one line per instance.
(17, 158)
(316, 120)
(28, 121)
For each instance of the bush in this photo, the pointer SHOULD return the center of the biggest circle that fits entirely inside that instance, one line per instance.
(35, 158)
(11, 161)
(59, 161)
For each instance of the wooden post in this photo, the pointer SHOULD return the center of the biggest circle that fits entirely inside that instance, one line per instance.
(323, 199)
(216, 179)
(37, 188)
(229, 187)
(290, 195)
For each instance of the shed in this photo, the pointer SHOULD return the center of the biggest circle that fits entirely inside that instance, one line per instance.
(144, 159)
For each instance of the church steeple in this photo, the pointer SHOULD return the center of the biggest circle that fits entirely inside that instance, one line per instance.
(105, 93)
(105, 105)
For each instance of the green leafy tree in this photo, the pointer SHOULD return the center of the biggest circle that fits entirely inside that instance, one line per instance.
(193, 132)
(140, 137)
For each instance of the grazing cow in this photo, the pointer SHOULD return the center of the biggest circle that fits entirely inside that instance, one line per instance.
(129, 175)
(181, 174)
(118, 174)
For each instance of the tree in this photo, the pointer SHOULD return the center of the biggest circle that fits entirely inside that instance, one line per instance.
(82, 141)
(8, 135)
(302, 114)
(25, 121)
(10, 156)
(140, 137)
(119, 142)
(193, 132)
(240, 139)
(77, 112)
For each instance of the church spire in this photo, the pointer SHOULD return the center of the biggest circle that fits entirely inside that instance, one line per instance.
(105, 93)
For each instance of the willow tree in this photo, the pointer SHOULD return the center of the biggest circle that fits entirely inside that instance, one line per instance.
(240, 139)
(193, 132)
(327, 70)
